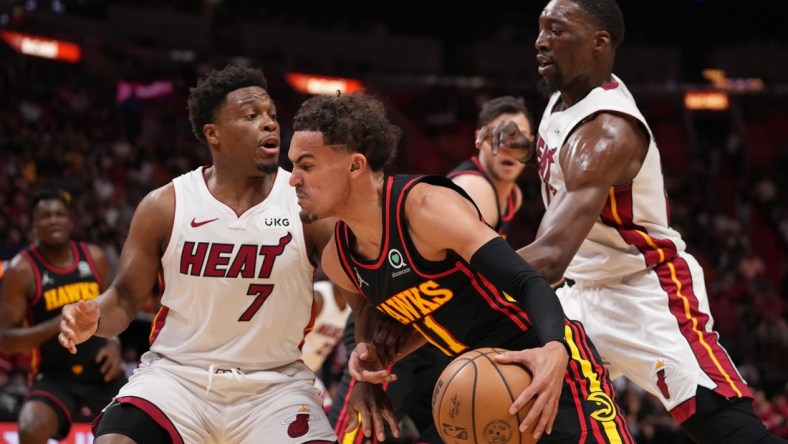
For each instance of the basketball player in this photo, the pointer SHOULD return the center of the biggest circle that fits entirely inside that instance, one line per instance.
(606, 228)
(52, 271)
(224, 362)
(330, 320)
(491, 181)
(415, 248)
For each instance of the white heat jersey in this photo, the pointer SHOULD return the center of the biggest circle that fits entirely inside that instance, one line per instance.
(328, 329)
(237, 288)
(632, 233)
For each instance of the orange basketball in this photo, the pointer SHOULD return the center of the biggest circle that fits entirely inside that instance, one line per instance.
(471, 400)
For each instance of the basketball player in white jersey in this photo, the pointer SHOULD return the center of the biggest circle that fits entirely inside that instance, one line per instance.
(639, 294)
(236, 274)
(332, 314)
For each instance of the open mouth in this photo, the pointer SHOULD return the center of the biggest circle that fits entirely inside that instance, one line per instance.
(270, 143)
(544, 63)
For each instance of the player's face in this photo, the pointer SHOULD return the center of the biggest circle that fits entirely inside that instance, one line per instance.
(565, 46)
(504, 166)
(320, 175)
(248, 130)
(51, 222)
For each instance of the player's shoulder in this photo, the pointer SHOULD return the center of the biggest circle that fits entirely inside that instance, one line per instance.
(160, 198)
(472, 181)
(19, 266)
(95, 251)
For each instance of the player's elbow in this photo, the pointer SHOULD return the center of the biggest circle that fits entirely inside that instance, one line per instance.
(553, 274)
(548, 262)
(8, 346)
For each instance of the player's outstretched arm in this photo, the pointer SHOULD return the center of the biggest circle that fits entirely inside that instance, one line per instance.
(112, 311)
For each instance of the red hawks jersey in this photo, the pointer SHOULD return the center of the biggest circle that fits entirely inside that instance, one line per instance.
(632, 232)
(237, 287)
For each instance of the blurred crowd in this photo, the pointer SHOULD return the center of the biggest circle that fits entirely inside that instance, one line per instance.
(59, 129)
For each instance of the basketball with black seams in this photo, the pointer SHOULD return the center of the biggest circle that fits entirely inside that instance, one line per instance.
(471, 400)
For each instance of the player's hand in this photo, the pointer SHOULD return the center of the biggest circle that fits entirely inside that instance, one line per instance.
(109, 356)
(505, 134)
(548, 367)
(365, 365)
(374, 406)
(390, 338)
(78, 323)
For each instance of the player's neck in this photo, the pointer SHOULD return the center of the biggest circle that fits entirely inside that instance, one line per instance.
(59, 255)
(364, 215)
(236, 191)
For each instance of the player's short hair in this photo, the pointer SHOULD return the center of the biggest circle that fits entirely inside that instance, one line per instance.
(49, 194)
(494, 107)
(209, 95)
(606, 14)
(356, 121)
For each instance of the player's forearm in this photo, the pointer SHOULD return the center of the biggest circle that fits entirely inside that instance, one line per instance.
(117, 312)
(414, 343)
(22, 339)
(364, 319)
(497, 262)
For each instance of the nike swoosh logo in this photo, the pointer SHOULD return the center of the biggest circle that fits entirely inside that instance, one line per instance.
(196, 224)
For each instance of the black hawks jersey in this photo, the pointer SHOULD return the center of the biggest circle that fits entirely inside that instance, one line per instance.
(451, 305)
(56, 287)
(505, 214)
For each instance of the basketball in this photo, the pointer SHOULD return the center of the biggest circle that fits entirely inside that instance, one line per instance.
(471, 400)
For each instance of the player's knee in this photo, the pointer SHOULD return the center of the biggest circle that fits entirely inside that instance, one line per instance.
(36, 419)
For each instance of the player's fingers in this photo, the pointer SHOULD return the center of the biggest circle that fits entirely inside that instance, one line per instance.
(67, 343)
(354, 365)
(102, 355)
(484, 133)
(353, 418)
(366, 422)
(508, 357)
(66, 315)
(549, 427)
(541, 425)
(522, 400)
(391, 419)
(532, 419)
(377, 377)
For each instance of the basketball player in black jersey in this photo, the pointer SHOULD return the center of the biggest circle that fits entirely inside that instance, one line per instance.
(491, 181)
(429, 261)
(53, 271)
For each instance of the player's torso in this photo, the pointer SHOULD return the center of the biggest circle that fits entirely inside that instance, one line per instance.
(55, 288)
(237, 288)
(632, 232)
(507, 210)
(448, 303)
